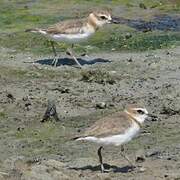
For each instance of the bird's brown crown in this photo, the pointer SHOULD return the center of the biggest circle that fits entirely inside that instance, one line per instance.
(99, 17)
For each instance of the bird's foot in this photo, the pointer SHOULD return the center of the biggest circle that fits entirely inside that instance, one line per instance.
(104, 170)
(54, 62)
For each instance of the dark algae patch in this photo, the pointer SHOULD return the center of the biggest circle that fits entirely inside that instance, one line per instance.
(159, 22)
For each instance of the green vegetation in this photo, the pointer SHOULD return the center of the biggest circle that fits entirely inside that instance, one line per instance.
(44, 131)
(2, 115)
(8, 72)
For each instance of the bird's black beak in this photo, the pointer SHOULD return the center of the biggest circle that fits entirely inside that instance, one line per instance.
(152, 117)
(114, 20)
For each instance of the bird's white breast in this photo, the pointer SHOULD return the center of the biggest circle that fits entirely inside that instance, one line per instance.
(70, 38)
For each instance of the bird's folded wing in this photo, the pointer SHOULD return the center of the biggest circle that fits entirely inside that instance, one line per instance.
(115, 124)
(66, 27)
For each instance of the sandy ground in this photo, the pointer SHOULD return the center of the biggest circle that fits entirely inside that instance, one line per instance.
(31, 149)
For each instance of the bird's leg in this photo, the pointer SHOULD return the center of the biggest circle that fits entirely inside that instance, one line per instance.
(55, 60)
(125, 157)
(69, 52)
(101, 161)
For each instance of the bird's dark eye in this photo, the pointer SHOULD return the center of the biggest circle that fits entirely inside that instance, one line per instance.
(103, 17)
(139, 111)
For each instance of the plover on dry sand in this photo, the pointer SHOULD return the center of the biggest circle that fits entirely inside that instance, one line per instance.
(116, 129)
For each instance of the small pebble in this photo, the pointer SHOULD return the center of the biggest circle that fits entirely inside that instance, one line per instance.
(142, 169)
(101, 105)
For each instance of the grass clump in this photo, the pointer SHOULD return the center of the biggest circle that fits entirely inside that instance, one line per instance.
(97, 76)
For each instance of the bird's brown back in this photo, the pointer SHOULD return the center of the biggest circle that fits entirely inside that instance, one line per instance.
(66, 27)
(117, 123)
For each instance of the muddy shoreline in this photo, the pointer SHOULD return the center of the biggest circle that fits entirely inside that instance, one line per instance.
(149, 78)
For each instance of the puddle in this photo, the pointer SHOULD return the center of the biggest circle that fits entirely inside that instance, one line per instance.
(160, 22)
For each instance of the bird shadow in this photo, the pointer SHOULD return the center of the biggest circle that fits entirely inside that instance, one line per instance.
(70, 62)
(111, 168)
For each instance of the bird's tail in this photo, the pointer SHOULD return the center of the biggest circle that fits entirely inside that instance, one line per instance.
(75, 138)
(86, 138)
(36, 30)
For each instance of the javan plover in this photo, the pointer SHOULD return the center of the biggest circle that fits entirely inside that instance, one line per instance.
(117, 129)
(73, 31)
